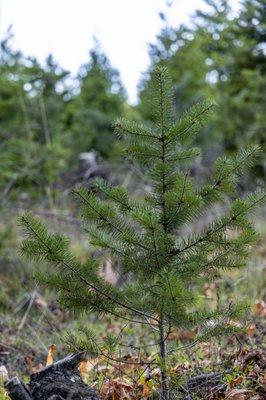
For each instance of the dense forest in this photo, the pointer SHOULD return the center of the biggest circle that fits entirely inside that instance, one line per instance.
(174, 191)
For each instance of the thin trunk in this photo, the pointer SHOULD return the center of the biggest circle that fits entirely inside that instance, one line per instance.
(165, 389)
(46, 130)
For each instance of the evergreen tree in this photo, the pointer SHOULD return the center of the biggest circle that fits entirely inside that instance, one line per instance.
(223, 57)
(146, 236)
(92, 111)
(176, 48)
(236, 51)
(31, 108)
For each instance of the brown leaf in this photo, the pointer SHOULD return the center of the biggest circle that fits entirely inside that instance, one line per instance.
(236, 381)
(50, 355)
(146, 384)
(254, 357)
(116, 389)
(30, 367)
(260, 308)
(86, 366)
(182, 334)
(41, 302)
(237, 394)
(251, 330)
(210, 290)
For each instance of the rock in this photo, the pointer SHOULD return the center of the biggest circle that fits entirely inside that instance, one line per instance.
(89, 167)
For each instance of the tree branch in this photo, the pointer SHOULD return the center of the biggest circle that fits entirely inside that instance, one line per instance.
(86, 282)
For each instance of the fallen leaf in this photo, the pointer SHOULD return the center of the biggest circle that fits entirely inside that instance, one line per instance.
(3, 374)
(86, 366)
(30, 367)
(260, 308)
(236, 381)
(253, 357)
(210, 290)
(182, 334)
(251, 330)
(108, 273)
(50, 355)
(146, 384)
(237, 394)
(41, 302)
(116, 389)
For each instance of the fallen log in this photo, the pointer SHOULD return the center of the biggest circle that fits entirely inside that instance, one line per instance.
(204, 384)
(204, 380)
(58, 381)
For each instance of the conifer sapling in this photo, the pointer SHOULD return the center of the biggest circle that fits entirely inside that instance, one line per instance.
(146, 235)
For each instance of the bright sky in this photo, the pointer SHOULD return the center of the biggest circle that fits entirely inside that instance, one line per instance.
(66, 29)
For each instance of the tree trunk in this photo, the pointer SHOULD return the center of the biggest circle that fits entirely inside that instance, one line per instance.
(165, 389)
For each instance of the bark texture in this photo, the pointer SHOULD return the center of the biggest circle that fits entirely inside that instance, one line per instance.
(59, 381)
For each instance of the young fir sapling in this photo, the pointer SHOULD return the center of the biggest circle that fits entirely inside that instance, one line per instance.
(145, 235)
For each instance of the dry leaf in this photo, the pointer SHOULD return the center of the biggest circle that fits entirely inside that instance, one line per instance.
(86, 366)
(251, 330)
(3, 374)
(237, 394)
(236, 381)
(146, 384)
(30, 367)
(108, 273)
(41, 302)
(117, 389)
(260, 308)
(146, 390)
(182, 334)
(210, 290)
(50, 355)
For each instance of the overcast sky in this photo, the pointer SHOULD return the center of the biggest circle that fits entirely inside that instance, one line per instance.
(66, 29)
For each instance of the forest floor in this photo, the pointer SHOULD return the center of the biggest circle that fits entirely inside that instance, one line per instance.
(32, 326)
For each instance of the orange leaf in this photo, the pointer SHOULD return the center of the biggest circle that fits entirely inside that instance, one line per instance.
(146, 385)
(251, 329)
(50, 355)
(236, 381)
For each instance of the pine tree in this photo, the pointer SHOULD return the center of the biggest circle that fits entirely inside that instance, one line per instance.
(145, 235)
(228, 54)
(90, 114)
(31, 132)
(235, 48)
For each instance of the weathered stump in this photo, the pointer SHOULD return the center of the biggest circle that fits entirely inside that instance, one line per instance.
(17, 390)
(58, 381)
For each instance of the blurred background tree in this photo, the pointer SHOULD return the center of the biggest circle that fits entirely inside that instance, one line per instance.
(221, 56)
(48, 117)
(31, 106)
(91, 112)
